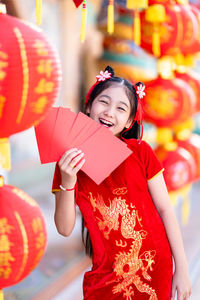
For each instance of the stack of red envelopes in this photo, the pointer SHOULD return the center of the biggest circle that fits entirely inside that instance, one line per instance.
(63, 129)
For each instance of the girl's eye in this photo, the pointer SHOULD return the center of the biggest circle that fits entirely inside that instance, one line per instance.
(103, 101)
(121, 108)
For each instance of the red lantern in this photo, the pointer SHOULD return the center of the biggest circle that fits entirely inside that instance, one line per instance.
(193, 79)
(180, 166)
(22, 234)
(177, 33)
(195, 47)
(168, 102)
(192, 145)
(30, 75)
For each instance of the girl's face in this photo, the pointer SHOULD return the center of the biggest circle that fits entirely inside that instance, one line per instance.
(112, 109)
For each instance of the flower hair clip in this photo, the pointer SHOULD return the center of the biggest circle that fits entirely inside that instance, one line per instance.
(140, 90)
(103, 76)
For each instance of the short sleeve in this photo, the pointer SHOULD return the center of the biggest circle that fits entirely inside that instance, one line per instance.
(153, 166)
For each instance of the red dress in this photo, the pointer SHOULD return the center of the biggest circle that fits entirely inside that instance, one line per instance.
(131, 254)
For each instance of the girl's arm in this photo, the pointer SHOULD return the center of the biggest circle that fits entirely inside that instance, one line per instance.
(160, 196)
(65, 211)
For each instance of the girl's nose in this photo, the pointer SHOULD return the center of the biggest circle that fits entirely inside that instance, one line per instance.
(109, 111)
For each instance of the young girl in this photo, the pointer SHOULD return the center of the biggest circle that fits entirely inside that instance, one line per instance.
(129, 218)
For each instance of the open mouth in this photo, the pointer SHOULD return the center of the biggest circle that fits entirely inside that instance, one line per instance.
(106, 123)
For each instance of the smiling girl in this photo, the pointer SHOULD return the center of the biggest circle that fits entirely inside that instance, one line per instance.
(132, 232)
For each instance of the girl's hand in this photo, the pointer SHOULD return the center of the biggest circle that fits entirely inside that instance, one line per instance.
(181, 284)
(70, 163)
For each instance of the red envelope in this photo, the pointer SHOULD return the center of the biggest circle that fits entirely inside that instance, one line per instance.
(43, 133)
(82, 129)
(60, 139)
(63, 130)
(103, 153)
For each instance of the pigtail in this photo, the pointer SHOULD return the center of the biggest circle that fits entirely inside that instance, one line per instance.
(135, 131)
(110, 70)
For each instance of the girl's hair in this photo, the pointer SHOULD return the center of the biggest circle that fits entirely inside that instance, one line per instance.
(132, 132)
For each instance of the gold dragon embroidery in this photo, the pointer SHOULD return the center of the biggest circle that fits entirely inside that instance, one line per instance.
(126, 264)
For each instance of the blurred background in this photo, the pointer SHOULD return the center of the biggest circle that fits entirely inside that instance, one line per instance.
(156, 42)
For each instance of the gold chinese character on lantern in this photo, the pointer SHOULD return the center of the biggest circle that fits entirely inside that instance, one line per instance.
(37, 225)
(39, 106)
(4, 226)
(5, 244)
(38, 230)
(45, 67)
(2, 103)
(40, 48)
(40, 240)
(3, 64)
(44, 86)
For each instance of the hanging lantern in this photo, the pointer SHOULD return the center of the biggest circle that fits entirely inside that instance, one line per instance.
(168, 29)
(193, 80)
(23, 234)
(195, 47)
(192, 145)
(168, 102)
(180, 166)
(30, 76)
(180, 171)
(184, 72)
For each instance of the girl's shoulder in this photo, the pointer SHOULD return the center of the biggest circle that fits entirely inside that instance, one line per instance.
(138, 146)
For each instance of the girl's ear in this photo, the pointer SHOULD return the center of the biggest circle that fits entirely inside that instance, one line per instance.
(129, 122)
(88, 110)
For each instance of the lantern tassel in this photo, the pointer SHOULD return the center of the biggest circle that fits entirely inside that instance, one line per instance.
(110, 21)
(38, 11)
(1, 295)
(137, 28)
(156, 40)
(83, 21)
(4, 155)
(156, 15)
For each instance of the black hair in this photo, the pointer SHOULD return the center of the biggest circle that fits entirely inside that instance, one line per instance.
(133, 132)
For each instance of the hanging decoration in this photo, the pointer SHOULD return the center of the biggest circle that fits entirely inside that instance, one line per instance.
(23, 235)
(30, 76)
(168, 29)
(38, 11)
(136, 6)
(110, 21)
(180, 171)
(83, 21)
(180, 166)
(170, 101)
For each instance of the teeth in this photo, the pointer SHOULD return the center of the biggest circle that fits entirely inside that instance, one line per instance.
(106, 122)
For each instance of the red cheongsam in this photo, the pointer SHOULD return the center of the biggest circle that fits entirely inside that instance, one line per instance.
(131, 253)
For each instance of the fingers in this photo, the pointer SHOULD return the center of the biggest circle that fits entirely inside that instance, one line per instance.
(183, 295)
(71, 161)
(79, 165)
(66, 154)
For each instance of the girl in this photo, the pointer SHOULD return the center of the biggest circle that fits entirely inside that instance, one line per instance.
(129, 218)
